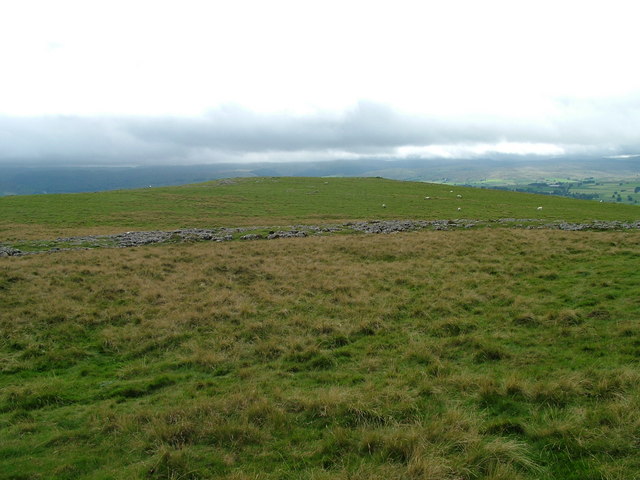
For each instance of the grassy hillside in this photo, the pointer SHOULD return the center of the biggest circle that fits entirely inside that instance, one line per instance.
(279, 201)
(492, 353)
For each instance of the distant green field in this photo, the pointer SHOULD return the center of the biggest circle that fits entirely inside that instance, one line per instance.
(625, 192)
(280, 201)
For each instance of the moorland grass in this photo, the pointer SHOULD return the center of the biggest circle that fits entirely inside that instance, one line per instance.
(280, 201)
(496, 353)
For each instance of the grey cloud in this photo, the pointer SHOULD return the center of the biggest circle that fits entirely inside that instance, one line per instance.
(369, 127)
(603, 126)
(233, 128)
(67, 137)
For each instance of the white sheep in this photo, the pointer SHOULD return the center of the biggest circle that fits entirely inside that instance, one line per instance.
(459, 209)
(459, 196)
(539, 208)
(427, 198)
(384, 205)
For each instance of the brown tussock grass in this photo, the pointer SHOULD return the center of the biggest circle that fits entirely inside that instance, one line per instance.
(390, 354)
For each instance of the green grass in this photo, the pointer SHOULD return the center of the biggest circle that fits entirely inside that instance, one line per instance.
(472, 354)
(278, 201)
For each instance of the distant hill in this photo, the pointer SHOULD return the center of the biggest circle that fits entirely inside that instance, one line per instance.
(282, 201)
(37, 179)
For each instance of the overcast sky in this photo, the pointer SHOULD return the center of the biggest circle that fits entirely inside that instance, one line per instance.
(106, 82)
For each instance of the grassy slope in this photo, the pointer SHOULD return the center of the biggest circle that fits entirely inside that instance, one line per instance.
(278, 201)
(495, 353)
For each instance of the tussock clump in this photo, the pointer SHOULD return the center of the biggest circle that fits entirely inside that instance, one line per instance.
(34, 397)
(527, 320)
(172, 464)
(567, 317)
(516, 386)
(505, 427)
(421, 357)
(615, 384)
(490, 353)
(370, 327)
(599, 314)
(560, 391)
(452, 328)
(501, 458)
(269, 349)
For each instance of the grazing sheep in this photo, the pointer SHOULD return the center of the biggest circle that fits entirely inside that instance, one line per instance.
(384, 205)
(459, 196)
(459, 209)
(539, 208)
(450, 191)
(427, 198)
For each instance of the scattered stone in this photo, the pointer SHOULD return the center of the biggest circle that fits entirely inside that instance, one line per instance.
(612, 225)
(287, 234)
(9, 252)
(136, 239)
(387, 226)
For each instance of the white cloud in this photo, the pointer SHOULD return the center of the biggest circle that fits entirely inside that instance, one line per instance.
(182, 58)
(478, 150)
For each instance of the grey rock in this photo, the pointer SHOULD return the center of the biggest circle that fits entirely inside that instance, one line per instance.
(286, 234)
(251, 236)
(596, 225)
(9, 251)
(387, 226)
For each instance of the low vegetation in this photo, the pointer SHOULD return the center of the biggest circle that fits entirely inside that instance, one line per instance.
(279, 201)
(495, 354)
(490, 353)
